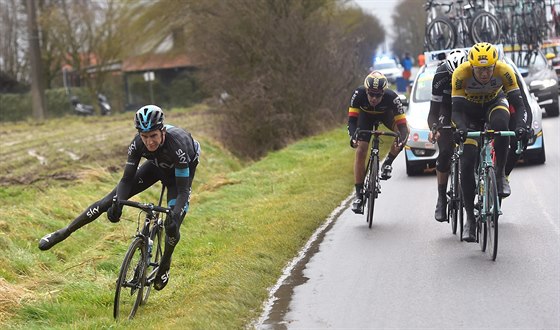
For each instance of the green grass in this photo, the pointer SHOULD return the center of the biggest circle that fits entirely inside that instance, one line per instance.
(246, 222)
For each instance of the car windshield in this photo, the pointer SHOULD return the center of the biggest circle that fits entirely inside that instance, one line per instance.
(523, 59)
(423, 88)
(384, 65)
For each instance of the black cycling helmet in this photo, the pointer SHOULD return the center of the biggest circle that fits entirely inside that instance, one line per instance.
(148, 118)
(375, 82)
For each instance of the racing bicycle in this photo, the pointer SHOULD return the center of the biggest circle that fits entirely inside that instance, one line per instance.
(141, 261)
(487, 202)
(454, 194)
(372, 181)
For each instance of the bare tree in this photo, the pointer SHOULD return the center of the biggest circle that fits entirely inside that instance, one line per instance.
(37, 82)
(409, 21)
(287, 66)
(14, 60)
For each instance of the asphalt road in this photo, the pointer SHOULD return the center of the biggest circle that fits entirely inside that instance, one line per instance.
(410, 271)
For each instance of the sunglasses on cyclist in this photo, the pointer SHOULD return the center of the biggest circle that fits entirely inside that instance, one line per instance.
(375, 95)
(486, 69)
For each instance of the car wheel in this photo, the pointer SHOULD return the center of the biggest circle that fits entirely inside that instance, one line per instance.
(552, 109)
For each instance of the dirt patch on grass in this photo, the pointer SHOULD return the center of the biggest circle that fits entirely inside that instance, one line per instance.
(11, 297)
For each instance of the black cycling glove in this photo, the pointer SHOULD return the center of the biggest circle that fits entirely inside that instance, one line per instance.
(460, 135)
(114, 212)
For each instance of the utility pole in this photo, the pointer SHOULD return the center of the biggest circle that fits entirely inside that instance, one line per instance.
(37, 82)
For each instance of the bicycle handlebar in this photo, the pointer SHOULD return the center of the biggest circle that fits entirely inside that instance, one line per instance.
(147, 207)
(377, 133)
(492, 133)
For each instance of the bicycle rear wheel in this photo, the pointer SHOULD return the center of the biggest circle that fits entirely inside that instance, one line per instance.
(493, 212)
(154, 257)
(372, 189)
(130, 283)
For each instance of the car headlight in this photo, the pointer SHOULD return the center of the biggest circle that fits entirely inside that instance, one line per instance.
(541, 84)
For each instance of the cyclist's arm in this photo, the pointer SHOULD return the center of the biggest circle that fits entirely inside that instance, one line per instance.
(525, 101)
(514, 97)
(400, 119)
(125, 184)
(183, 183)
(513, 92)
(353, 113)
(352, 120)
(458, 99)
(433, 115)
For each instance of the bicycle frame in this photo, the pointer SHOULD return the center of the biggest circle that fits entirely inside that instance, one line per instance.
(488, 204)
(372, 185)
(139, 258)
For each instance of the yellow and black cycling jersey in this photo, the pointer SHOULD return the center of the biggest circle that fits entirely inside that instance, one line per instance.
(465, 85)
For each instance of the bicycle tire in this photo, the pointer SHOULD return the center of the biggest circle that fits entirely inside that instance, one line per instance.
(493, 207)
(153, 261)
(131, 276)
(372, 191)
(453, 204)
(461, 214)
(485, 28)
(440, 34)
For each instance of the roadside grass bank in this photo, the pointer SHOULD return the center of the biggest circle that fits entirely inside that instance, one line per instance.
(246, 222)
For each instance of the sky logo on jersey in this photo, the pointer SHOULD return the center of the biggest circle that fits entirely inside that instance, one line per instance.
(131, 147)
(91, 212)
(182, 156)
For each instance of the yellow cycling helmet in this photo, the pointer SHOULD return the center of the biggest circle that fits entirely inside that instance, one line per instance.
(483, 54)
(375, 82)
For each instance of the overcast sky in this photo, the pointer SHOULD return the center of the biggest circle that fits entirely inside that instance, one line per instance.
(383, 10)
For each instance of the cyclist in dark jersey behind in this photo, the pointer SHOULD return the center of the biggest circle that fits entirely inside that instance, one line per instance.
(172, 156)
(440, 116)
(371, 102)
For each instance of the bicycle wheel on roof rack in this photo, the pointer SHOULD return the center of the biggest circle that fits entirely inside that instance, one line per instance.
(440, 34)
(485, 28)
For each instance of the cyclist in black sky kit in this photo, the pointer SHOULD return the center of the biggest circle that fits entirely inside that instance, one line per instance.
(374, 102)
(172, 156)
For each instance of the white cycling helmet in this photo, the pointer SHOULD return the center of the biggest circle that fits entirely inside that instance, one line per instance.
(454, 59)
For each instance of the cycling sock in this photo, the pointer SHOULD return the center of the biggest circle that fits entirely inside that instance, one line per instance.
(442, 187)
(389, 160)
(359, 187)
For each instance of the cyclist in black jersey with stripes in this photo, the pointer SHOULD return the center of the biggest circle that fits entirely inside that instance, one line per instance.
(172, 156)
(371, 102)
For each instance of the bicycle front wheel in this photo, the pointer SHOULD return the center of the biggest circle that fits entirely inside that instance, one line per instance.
(372, 191)
(154, 258)
(493, 212)
(130, 283)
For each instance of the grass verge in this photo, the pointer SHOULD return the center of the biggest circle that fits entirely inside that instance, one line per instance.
(246, 222)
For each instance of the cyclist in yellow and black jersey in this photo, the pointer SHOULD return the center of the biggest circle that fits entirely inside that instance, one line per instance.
(481, 89)
(371, 102)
